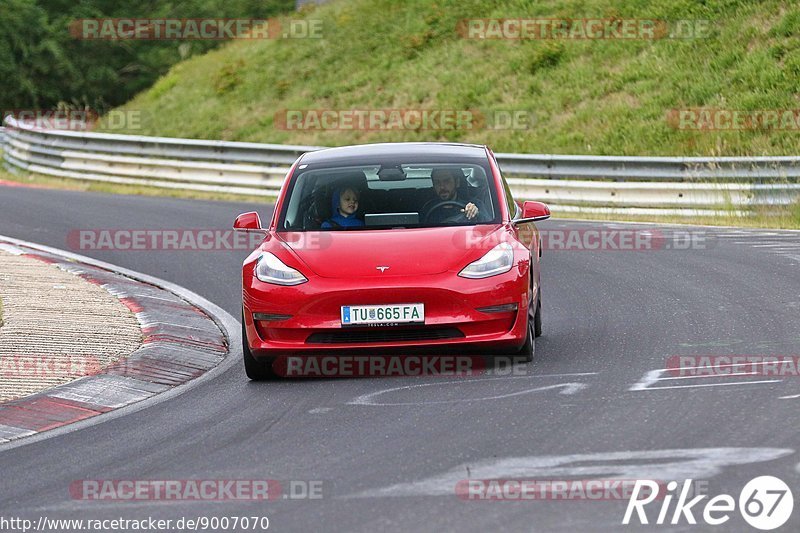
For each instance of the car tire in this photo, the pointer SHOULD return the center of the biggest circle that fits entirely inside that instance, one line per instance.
(537, 318)
(529, 348)
(256, 370)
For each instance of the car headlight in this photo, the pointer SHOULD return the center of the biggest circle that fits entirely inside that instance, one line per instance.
(270, 269)
(498, 260)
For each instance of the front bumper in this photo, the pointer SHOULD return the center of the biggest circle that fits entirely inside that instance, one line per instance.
(453, 322)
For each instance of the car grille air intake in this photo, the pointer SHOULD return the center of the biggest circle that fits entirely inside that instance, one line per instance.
(384, 335)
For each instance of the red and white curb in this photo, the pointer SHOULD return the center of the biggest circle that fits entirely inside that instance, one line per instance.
(184, 336)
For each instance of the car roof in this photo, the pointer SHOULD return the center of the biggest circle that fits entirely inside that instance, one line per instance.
(412, 152)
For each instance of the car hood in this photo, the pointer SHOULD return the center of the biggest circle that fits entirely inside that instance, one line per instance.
(407, 252)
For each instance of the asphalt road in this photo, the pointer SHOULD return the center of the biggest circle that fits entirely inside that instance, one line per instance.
(390, 460)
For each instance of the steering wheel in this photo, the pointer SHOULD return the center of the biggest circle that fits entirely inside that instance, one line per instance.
(446, 203)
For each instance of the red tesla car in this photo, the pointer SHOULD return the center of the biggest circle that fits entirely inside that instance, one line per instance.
(392, 248)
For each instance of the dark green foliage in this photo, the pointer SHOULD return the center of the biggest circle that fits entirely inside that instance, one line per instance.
(42, 65)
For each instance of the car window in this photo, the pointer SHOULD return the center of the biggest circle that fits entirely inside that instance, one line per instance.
(513, 208)
(512, 205)
(388, 196)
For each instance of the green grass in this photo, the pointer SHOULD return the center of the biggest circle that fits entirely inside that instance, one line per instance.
(607, 97)
(603, 97)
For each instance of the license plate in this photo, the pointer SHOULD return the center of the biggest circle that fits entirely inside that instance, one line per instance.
(382, 315)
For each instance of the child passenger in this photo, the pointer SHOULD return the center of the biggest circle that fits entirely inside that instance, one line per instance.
(344, 204)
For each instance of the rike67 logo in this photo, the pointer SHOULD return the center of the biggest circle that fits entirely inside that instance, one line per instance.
(765, 503)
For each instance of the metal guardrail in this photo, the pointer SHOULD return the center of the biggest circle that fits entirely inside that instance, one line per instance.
(663, 185)
(651, 168)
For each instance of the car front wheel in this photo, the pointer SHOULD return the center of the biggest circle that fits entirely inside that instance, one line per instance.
(529, 348)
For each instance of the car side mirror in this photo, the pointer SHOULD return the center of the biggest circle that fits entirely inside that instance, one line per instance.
(248, 222)
(533, 212)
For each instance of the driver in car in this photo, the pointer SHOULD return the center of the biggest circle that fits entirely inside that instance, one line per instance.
(446, 183)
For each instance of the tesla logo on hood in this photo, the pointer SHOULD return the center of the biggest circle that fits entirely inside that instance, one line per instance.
(382, 269)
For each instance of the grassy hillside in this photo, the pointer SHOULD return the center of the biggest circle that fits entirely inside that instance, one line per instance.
(588, 96)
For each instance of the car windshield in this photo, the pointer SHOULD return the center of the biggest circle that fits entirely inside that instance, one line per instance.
(389, 196)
